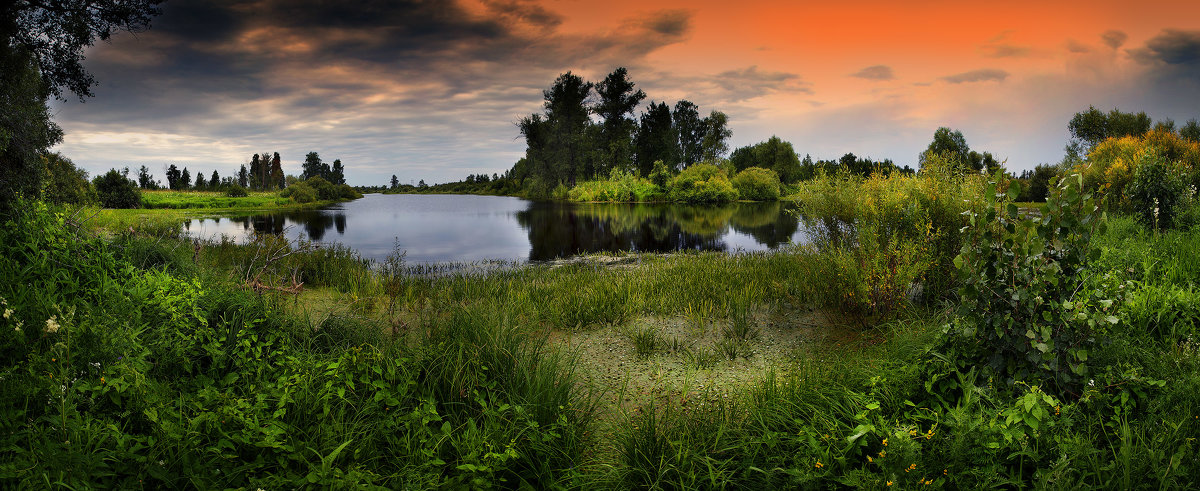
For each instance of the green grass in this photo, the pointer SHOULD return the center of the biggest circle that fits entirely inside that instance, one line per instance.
(167, 371)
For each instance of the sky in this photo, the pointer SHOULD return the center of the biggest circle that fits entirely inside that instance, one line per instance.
(431, 89)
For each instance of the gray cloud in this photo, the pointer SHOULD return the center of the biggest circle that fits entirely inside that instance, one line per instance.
(1005, 51)
(1173, 47)
(384, 85)
(876, 72)
(1114, 38)
(1074, 46)
(981, 75)
(748, 83)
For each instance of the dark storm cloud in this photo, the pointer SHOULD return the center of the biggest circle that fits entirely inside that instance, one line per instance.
(1114, 38)
(876, 72)
(410, 76)
(981, 75)
(1172, 47)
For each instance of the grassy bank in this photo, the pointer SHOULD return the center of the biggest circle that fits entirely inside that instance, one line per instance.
(143, 360)
(164, 209)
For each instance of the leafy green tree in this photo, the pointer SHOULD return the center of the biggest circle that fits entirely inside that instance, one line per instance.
(567, 115)
(200, 184)
(185, 179)
(949, 143)
(715, 143)
(65, 183)
(689, 132)
(312, 166)
(1094, 126)
(173, 177)
(337, 174)
(255, 172)
(145, 180)
(117, 191)
(276, 174)
(215, 180)
(41, 53)
(655, 140)
(1191, 131)
(617, 101)
(243, 176)
(774, 154)
(396, 182)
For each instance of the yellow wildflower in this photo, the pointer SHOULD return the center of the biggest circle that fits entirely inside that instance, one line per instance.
(885, 442)
(819, 465)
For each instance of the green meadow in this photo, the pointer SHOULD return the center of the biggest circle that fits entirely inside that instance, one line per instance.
(866, 359)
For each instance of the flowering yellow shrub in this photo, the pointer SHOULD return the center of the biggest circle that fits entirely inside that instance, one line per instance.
(1111, 164)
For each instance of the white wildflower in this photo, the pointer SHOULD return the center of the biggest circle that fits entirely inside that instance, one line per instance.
(7, 313)
(52, 324)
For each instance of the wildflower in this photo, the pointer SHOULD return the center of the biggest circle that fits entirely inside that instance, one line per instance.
(889, 483)
(8, 313)
(885, 442)
(52, 324)
(102, 380)
(911, 467)
(18, 328)
(882, 453)
(819, 465)
(869, 459)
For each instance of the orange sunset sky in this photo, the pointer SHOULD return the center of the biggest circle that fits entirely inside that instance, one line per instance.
(430, 90)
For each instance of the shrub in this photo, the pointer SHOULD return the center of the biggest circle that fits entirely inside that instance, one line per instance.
(65, 183)
(236, 191)
(1111, 164)
(702, 183)
(620, 187)
(117, 191)
(757, 184)
(1023, 304)
(344, 191)
(660, 175)
(300, 193)
(1158, 192)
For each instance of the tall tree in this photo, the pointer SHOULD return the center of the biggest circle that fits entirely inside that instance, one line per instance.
(200, 183)
(145, 180)
(1191, 131)
(185, 179)
(276, 175)
(396, 182)
(312, 166)
(655, 139)
(172, 177)
(567, 115)
(775, 154)
(215, 180)
(617, 101)
(714, 144)
(689, 132)
(949, 143)
(337, 175)
(255, 172)
(243, 177)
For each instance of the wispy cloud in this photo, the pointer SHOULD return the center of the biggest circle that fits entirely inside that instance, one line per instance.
(981, 75)
(875, 72)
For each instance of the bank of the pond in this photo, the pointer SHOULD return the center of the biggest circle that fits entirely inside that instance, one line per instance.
(166, 209)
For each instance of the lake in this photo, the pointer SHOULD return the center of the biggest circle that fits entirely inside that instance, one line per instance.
(463, 228)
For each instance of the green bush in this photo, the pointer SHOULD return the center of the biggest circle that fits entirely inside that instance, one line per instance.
(65, 183)
(300, 193)
(1159, 191)
(1023, 301)
(236, 191)
(344, 191)
(117, 191)
(660, 175)
(702, 183)
(620, 187)
(757, 184)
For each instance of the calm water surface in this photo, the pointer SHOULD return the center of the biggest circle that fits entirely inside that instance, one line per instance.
(441, 228)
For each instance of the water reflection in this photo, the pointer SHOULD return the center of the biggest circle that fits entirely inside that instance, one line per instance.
(467, 228)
